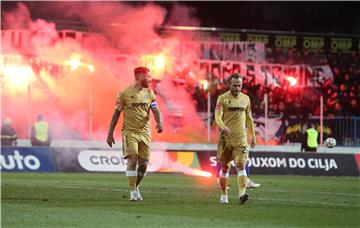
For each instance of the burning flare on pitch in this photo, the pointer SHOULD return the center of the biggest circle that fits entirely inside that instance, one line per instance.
(189, 171)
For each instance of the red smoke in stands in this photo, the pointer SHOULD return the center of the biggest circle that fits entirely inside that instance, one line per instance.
(62, 93)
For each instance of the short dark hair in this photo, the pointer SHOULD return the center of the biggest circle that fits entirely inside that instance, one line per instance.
(141, 69)
(235, 76)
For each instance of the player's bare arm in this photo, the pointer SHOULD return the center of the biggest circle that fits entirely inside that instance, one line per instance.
(158, 118)
(250, 125)
(110, 138)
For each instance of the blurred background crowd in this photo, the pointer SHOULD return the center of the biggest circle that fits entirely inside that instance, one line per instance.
(341, 96)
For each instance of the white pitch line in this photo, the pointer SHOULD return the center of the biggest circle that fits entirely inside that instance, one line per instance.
(306, 201)
(315, 192)
(179, 193)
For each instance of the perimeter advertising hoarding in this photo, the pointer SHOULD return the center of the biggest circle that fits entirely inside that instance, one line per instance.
(27, 159)
(85, 160)
(37, 159)
(272, 163)
(280, 163)
(305, 164)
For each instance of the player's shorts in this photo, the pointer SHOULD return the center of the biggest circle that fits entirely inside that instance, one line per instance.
(136, 144)
(230, 150)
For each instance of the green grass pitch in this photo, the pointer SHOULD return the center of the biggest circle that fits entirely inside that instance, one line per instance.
(173, 200)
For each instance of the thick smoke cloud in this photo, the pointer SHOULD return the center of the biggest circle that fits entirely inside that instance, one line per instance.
(71, 99)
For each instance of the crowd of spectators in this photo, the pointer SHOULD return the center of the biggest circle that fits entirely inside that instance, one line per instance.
(341, 96)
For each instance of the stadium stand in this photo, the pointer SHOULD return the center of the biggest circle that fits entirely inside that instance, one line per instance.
(341, 97)
(290, 104)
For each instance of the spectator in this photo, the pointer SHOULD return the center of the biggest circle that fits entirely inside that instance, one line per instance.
(40, 133)
(8, 134)
(310, 139)
(340, 94)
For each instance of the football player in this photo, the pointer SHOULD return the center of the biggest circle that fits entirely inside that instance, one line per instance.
(233, 117)
(135, 102)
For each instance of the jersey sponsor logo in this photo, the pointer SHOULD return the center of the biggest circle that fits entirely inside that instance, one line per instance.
(139, 105)
(236, 109)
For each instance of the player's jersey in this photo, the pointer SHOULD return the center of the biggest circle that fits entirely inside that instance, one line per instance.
(233, 112)
(135, 105)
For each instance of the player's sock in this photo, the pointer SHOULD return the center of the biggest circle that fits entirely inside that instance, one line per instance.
(241, 180)
(217, 171)
(132, 177)
(224, 181)
(140, 176)
(223, 184)
(218, 168)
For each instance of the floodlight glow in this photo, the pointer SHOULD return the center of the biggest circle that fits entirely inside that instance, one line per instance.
(204, 84)
(291, 80)
(91, 68)
(17, 77)
(75, 62)
(159, 62)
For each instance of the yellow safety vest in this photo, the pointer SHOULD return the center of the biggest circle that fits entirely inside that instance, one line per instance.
(41, 131)
(312, 138)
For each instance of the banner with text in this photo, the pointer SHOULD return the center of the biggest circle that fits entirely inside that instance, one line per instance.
(268, 74)
(276, 163)
(27, 159)
(78, 160)
(204, 162)
(285, 40)
(304, 164)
